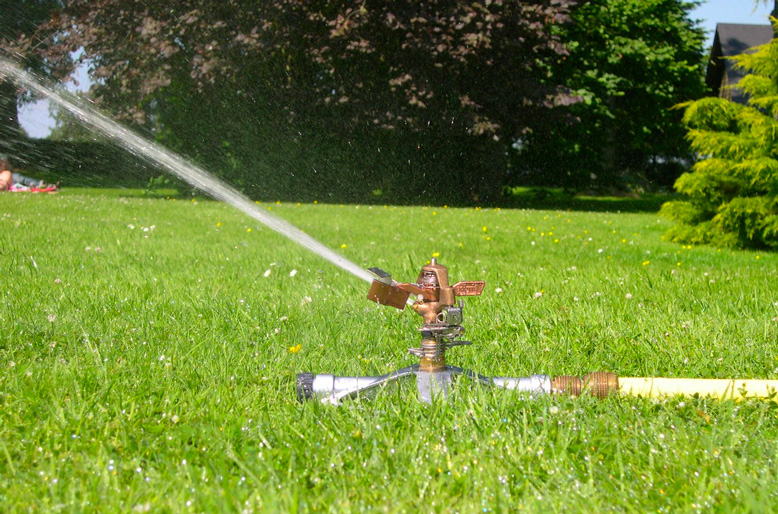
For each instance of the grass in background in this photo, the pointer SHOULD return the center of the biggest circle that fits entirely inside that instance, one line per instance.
(149, 347)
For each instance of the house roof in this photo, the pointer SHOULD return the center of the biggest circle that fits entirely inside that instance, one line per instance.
(736, 38)
(733, 39)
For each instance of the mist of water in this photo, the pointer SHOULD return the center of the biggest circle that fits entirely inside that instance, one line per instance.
(174, 163)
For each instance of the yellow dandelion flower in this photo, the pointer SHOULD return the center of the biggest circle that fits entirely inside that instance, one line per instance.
(646, 263)
(483, 228)
(344, 245)
(219, 224)
(248, 229)
(295, 349)
(488, 238)
(436, 254)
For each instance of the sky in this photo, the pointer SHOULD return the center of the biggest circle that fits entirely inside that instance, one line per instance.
(35, 118)
(731, 11)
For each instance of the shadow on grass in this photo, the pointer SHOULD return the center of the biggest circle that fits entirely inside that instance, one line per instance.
(132, 186)
(529, 199)
(556, 199)
(123, 192)
(518, 198)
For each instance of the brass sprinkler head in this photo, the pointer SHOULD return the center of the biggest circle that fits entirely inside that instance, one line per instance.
(435, 303)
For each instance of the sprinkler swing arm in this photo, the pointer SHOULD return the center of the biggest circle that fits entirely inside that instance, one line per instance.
(442, 314)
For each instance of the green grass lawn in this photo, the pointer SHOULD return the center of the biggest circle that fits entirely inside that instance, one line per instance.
(146, 363)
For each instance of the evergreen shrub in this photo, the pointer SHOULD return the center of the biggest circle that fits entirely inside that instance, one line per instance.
(731, 193)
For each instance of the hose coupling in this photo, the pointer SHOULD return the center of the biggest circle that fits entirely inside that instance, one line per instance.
(599, 384)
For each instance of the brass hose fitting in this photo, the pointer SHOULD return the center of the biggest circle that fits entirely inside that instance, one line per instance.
(599, 384)
(567, 384)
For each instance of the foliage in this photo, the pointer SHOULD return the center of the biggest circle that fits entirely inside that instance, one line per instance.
(158, 183)
(67, 127)
(448, 84)
(732, 193)
(84, 164)
(146, 365)
(19, 19)
(630, 61)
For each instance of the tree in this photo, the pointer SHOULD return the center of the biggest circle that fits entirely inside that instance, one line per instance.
(20, 18)
(447, 83)
(630, 61)
(68, 128)
(732, 193)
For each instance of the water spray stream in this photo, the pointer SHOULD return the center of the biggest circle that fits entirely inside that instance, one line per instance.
(175, 164)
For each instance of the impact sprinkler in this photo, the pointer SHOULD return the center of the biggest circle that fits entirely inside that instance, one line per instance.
(440, 307)
(441, 311)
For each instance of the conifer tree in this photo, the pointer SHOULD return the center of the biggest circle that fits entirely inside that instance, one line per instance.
(732, 191)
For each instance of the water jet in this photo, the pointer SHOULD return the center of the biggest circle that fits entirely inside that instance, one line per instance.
(186, 170)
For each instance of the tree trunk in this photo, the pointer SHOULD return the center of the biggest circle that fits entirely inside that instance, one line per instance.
(491, 174)
(10, 131)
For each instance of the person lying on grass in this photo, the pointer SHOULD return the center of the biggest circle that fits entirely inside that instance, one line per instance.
(9, 179)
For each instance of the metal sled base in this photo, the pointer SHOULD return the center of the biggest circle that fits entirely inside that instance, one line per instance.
(331, 389)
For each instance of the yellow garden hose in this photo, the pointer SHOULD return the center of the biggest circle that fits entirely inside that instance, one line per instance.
(602, 384)
(722, 388)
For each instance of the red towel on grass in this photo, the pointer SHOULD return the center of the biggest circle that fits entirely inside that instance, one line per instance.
(18, 188)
